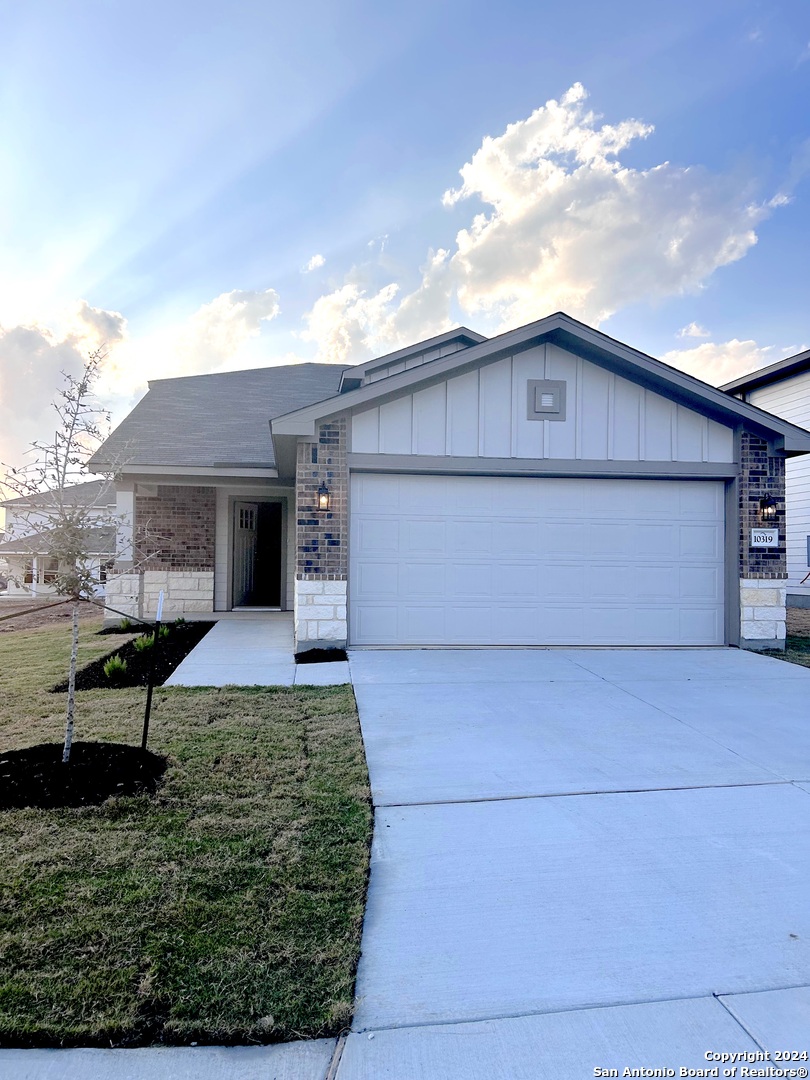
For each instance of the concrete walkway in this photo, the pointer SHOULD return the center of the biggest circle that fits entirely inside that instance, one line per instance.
(582, 859)
(253, 649)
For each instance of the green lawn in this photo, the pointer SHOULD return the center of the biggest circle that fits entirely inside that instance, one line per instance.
(226, 909)
(797, 650)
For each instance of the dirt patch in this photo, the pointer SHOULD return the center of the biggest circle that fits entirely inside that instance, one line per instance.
(96, 771)
(798, 621)
(320, 656)
(43, 614)
(166, 654)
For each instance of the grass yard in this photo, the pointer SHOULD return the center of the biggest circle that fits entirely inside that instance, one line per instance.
(227, 908)
(797, 650)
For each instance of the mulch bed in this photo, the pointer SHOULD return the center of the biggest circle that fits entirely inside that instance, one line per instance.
(320, 656)
(168, 654)
(36, 776)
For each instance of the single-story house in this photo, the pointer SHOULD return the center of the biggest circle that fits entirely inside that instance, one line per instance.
(784, 389)
(549, 486)
(26, 547)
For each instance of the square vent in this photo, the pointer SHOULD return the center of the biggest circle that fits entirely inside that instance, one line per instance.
(546, 399)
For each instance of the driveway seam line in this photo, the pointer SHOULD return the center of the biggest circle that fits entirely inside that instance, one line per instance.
(585, 794)
(697, 731)
(738, 1021)
(708, 996)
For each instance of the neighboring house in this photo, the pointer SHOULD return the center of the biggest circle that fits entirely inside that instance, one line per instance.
(550, 486)
(784, 389)
(31, 570)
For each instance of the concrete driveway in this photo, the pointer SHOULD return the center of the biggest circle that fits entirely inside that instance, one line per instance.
(583, 859)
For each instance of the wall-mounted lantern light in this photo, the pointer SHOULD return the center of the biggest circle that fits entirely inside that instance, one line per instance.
(767, 509)
(323, 497)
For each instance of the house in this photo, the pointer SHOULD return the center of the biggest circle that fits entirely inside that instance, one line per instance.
(549, 486)
(25, 548)
(784, 389)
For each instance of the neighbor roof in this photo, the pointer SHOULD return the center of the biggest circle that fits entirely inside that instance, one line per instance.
(87, 494)
(215, 420)
(782, 369)
(100, 541)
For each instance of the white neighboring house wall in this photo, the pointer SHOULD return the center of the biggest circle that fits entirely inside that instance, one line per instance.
(790, 399)
(31, 575)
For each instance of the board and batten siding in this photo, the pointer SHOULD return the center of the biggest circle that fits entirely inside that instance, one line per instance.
(790, 399)
(482, 413)
(223, 557)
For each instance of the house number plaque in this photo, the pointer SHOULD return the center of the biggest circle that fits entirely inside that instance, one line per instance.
(765, 538)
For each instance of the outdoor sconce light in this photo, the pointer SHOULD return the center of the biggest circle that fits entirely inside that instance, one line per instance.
(767, 509)
(323, 497)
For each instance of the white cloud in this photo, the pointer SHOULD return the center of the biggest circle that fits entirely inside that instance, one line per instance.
(720, 362)
(695, 330)
(32, 360)
(562, 225)
(314, 263)
(346, 324)
(33, 357)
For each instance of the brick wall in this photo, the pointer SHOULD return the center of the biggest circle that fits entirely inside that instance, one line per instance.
(322, 537)
(761, 474)
(175, 530)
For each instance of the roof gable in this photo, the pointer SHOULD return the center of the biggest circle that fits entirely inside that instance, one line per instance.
(577, 338)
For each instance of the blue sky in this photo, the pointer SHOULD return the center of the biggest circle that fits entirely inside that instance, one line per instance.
(169, 171)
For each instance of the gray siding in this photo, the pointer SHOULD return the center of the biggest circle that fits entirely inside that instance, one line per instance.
(483, 414)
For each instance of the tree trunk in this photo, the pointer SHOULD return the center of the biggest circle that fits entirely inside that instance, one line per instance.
(71, 699)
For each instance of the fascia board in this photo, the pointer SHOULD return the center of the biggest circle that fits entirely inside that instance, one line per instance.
(560, 329)
(197, 471)
(412, 350)
(782, 369)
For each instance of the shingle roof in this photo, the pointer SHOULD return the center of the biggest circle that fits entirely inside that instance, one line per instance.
(221, 419)
(100, 541)
(87, 494)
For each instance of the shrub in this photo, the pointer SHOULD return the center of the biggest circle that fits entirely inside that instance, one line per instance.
(163, 633)
(125, 624)
(145, 641)
(115, 669)
(179, 621)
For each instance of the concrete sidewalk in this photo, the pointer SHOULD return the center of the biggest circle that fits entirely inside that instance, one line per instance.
(253, 649)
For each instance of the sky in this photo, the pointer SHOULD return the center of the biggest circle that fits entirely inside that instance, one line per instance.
(202, 187)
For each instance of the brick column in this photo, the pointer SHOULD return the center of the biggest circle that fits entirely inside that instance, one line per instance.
(322, 548)
(763, 571)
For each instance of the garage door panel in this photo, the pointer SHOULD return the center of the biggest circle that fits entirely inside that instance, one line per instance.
(701, 583)
(423, 536)
(699, 540)
(376, 580)
(528, 561)
(377, 536)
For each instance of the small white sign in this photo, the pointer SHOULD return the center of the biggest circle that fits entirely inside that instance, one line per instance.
(765, 538)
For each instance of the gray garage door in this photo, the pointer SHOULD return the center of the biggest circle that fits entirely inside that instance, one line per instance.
(448, 560)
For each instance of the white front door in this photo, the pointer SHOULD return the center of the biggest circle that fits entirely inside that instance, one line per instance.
(448, 560)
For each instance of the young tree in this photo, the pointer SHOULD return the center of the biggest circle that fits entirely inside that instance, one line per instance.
(55, 525)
